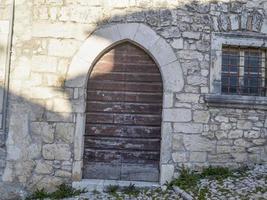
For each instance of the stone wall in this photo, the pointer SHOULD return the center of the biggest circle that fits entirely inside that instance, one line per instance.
(42, 119)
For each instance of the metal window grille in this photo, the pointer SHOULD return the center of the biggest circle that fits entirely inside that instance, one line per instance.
(244, 71)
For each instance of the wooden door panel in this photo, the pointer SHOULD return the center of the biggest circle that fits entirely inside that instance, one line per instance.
(106, 96)
(123, 116)
(118, 107)
(114, 130)
(122, 143)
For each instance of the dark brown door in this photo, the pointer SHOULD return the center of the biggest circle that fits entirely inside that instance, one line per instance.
(123, 116)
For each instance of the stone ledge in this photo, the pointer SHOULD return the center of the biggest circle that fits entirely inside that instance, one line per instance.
(236, 101)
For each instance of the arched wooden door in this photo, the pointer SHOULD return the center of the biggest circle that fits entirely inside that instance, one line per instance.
(123, 116)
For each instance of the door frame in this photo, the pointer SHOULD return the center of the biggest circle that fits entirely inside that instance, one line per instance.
(165, 58)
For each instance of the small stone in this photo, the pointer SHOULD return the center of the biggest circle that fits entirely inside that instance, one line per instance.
(221, 119)
(252, 134)
(243, 124)
(221, 135)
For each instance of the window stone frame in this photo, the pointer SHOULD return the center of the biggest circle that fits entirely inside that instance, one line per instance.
(215, 97)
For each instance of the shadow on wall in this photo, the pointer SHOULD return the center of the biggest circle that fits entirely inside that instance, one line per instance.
(41, 119)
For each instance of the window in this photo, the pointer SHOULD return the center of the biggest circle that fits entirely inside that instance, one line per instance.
(243, 71)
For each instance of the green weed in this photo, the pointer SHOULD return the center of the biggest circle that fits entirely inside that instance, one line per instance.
(63, 191)
(131, 190)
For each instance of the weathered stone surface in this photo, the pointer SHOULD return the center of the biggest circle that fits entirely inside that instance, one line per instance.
(166, 142)
(189, 98)
(242, 142)
(252, 134)
(201, 116)
(43, 167)
(198, 156)
(180, 157)
(187, 128)
(65, 132)
(198, 143)
(62, 48)
(221, 119)
(177, 115)
(221, 135)
(62, 173)
(168, 171)
(243, 124)
(56, 152)
(177, 143)
(44, 130)
(178, 43)
(233, 134)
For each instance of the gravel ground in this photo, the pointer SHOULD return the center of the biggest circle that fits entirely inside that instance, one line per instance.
(149, 194)
(251, 185)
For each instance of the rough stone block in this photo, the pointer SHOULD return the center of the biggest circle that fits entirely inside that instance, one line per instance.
(65, 132)
(187, 128)
(177, 142)
(177, 115)
(188, 97)
(43, 167)
(167, 172)
(62, 173)
(233, 134)
(44, 130)
(56, 152)
(244, 124)
(172, 76)
(198, 156)
(201, 116)
(198, 143)
(252, 134)
(163, 52)
(180, 157)
(166, 142)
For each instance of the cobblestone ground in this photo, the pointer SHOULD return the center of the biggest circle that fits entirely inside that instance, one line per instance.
(151, 194)
(250, 186)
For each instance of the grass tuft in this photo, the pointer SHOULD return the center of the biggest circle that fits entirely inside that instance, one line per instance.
(63, 191)
(217, 173)
(189, 180)
(112, 189)
(131, 190)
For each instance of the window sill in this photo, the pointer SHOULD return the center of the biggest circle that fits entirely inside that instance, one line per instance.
(236, 101)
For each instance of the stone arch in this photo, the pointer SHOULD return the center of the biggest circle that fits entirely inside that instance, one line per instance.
(97, 43)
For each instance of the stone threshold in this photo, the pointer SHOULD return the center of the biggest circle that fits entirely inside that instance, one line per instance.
(101, 185)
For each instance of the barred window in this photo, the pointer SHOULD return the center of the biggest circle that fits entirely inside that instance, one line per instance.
(244, 71)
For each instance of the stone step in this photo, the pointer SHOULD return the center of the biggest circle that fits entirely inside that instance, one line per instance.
(101, 185)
